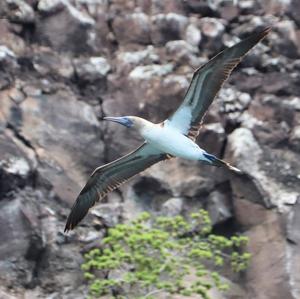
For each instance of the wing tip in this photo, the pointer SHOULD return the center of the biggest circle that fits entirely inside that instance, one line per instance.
(256, 37)
(67, 229)
(265, 31)
(70, 224)
(78, 212)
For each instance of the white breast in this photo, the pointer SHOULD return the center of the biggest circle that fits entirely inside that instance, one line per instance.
(172, 142)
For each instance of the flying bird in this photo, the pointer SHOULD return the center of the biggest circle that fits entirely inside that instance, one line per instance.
(175, 137)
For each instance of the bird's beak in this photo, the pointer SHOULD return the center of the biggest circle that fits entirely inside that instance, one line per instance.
(125, 121)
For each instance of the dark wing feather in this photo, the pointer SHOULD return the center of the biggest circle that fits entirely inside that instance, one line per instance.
(110, 176)
(206, 83)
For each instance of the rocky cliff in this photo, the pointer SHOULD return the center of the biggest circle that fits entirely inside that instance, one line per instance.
(64, 64)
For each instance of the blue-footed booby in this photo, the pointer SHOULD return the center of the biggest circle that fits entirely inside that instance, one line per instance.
(175, 137)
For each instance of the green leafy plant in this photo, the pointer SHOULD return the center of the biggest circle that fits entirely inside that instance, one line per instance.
(152, 255)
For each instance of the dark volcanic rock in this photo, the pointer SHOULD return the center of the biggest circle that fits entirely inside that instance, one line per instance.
(134, 28)
(271, 259)
(212, 138)
(258, 184)
(60, 122)
(173, 207)
(294, 8)
(167, 27)
(19, 11)
(15, 165)
(218, 207)
(7, 38)
(229, 11)
(183, 53)
(92, 69)
(50, 7)
(293, 221)
(295, 138)
(129, 59)
(204, 8)
(49, 63)
(212, 30)
(285, 40)
(67, 30)
(192, 34)
(145, 188)
(293, 248)
(7, 58)
(22, 241)
(74, 122)
(14, 233)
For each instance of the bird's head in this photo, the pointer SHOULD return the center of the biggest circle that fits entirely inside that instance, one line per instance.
(129, 121)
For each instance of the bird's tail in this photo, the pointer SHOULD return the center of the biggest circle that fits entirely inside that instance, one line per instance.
(213, 160)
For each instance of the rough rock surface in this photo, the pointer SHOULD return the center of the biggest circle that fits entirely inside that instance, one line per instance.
(65, 64)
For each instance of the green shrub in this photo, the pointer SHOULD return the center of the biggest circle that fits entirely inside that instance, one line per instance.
(151, 255)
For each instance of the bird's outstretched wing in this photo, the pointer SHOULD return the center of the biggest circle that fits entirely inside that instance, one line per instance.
(206, 82)
(110, 176)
